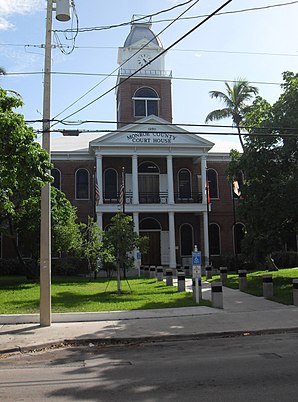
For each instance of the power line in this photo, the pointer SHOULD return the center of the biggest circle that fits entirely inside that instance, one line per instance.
(173, 50)
(168, 124)
(154, 58)
(116, 75)
(263, 134)
(101, 28)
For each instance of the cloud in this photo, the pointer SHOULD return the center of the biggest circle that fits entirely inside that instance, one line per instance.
(9, 8)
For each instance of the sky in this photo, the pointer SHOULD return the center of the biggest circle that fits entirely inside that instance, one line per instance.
(258, 45)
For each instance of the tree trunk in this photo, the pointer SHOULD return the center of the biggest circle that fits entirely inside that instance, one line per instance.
(118, 278)
(240, 138)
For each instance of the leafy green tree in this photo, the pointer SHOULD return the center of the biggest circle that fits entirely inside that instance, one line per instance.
(269, 201)
(24, 165)
(66, 235)
(121, 239)
(235, 101)
(92, 247)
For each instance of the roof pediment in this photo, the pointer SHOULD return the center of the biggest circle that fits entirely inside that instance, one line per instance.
(152, 131)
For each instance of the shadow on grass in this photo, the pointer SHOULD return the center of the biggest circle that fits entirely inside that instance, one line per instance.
(85, 295)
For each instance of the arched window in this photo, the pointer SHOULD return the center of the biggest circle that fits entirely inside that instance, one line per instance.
(111, 184)
(57, 178)
(82, 184)
(149, 224)
(213, 183)
(184, 183)
(145, 102)
(148, 167)
(214, 239)
(186, 240)
(238, 237)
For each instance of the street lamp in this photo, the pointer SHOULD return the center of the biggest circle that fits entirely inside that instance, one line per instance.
(62, 14)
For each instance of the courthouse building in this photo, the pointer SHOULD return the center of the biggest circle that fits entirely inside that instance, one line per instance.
(165, 168)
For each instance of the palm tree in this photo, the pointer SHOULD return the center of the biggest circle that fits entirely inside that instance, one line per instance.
(235, 100)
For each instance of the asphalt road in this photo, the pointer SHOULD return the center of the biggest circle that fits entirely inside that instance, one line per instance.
(248, 368)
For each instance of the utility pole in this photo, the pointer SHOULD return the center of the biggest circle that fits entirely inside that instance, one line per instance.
(45, 206)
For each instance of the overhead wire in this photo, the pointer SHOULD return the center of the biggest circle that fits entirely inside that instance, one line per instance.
(173, 77)
(173, 50)
(100, 28)
(167, 124)
(73, 38)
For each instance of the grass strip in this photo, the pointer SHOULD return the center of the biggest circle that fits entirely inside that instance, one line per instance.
(282, 283)
(73, 294)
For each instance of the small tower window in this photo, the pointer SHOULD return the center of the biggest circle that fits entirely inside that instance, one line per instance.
(145, 102)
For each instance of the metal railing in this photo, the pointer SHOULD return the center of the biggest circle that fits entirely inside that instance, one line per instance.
(155, 198)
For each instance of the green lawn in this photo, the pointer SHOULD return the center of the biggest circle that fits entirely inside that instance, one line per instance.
(282, 283)
(72, 294)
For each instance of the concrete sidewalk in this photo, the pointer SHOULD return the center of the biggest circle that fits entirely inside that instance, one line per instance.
(242, 313)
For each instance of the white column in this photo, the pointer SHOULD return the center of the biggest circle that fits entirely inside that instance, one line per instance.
(99, 177)
(206, 237)
(135, 183)
(170, 179)
(204, 178)
(99, 220)
(135, 252)
(172, 242)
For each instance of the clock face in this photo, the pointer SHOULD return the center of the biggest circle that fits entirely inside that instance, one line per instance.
(143, 59)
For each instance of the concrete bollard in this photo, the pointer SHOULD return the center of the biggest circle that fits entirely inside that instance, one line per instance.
(169, 277)
(194, 289)
(152, 271)
(242, 278)
(208, 272)
(267, 286)
(181, 281)
(146, 271)
(295, 292)
(159, 273)
(223, 275)
(216, 295)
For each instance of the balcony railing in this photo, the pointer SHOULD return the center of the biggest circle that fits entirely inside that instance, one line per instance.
(155, 198)
(147, 73)
(191, 197)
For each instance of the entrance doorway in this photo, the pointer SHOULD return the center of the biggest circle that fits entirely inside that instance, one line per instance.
(152, 257)
(151, 228)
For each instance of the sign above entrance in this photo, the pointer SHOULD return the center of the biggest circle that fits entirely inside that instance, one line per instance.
(147, 137)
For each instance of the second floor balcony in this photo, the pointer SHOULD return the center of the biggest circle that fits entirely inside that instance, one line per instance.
(153, 198)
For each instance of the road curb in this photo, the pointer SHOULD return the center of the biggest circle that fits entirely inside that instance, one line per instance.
(95, 342)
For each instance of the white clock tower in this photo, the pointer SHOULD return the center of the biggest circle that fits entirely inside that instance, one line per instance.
(148, 91)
